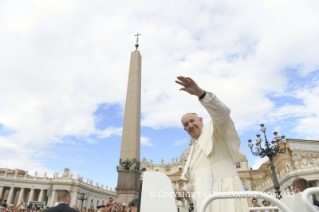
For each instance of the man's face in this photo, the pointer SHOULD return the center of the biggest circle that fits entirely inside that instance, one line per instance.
(133, 209)
(68, 200)
(266, 204)
(192, 125)
(295, 189)
(254, 202)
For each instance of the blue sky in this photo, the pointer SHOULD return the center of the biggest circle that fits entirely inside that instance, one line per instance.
(64, 69)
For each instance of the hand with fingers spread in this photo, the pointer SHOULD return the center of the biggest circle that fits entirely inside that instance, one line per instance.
(189, 85)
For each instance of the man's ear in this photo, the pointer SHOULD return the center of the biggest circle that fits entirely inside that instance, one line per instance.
(201, 120)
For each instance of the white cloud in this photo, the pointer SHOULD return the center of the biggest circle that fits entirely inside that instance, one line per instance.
(109, 131)
(259, 162)
(146, 141)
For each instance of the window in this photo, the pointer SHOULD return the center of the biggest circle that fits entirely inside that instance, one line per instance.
(167, 170)
(238, 165)
(143, 169)
(157, 170)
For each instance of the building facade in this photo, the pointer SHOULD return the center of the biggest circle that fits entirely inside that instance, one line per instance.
(17, 185)
(300, 160)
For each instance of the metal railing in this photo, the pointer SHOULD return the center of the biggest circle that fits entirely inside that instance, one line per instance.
(305, 198)
(262, 208)
(244, 194)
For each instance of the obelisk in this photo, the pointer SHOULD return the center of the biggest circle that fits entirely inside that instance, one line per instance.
(129, 166)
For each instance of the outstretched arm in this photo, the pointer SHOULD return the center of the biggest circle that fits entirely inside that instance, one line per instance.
(217, 110)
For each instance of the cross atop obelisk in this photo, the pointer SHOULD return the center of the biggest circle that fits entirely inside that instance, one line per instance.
(129, 164)
(137, 44)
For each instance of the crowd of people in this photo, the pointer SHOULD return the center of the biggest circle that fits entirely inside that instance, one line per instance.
(112, 206)
(64, 199)
(22, 207)
(264, 202)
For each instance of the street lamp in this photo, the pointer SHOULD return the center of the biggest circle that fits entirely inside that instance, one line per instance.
(270, 150)
(82, 197)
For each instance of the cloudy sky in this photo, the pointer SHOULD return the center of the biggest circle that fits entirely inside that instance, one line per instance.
(64, 70)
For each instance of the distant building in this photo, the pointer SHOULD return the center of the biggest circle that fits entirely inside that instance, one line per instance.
(300, 160)
(17, 185)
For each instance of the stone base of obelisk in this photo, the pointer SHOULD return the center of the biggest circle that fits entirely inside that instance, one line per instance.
(127, 186)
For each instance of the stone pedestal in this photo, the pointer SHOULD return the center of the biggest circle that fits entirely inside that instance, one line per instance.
(127, 186)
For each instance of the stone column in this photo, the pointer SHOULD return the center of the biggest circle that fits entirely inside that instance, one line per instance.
(31, 195)
(1, 191)
(41, 195)
(316, 184)
(20, 198)
(74, 199)
(10, 196)
(52, 198)
(87, 203)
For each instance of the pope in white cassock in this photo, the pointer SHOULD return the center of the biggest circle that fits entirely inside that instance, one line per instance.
(215, 149)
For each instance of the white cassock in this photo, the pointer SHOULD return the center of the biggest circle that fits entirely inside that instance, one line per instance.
(211, 162)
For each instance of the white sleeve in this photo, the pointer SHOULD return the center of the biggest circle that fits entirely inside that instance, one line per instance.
(207, 97)
(188, 188)
(217, 110)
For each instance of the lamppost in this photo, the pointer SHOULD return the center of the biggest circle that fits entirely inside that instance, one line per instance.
(82, 197)
(270, 150)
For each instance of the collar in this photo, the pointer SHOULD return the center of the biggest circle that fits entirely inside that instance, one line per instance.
(192, 141)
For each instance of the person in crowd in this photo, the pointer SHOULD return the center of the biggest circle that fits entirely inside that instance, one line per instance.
(126, 208)
(64, 199)
(255, 204)
(75, 207)
(92, 205)
(133, 205)
(4, 205)
(266, 204)
(110, 202)
(214, 149)
(299, 185)
(84, 209)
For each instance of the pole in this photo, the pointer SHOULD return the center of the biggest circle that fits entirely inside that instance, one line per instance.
(81, 204)
(276, 183)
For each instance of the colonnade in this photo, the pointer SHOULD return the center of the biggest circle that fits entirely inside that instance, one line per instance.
(15, 194)
(179, 184)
